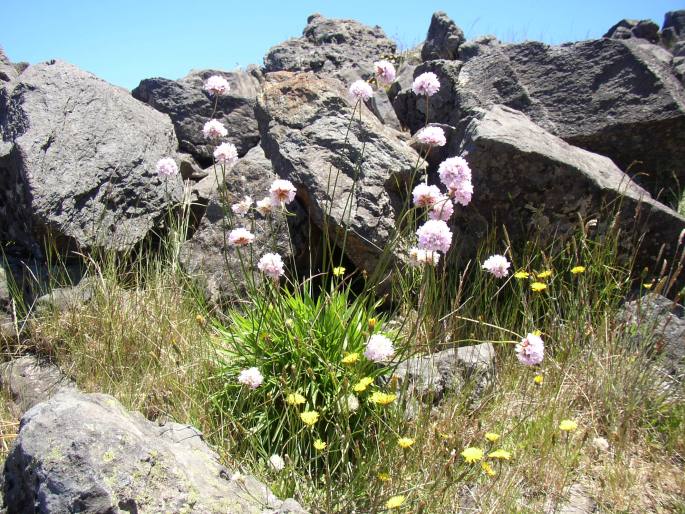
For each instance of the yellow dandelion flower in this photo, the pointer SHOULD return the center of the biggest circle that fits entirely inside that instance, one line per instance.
(339, 271)
(500, 454)
(350, 358)
(309, 417)
(568, 425)
(472, 454)
(295, 399)
(544, 274)
(395, 502)
(487, 469)
(539, 379)
(361, 386)
(383, 476)
(538, 286)
(200, 319)
(577, 270)
(492, 437)
(382, 398)
(319, 445)
(521, 274)
(648, 286)
(405, 442)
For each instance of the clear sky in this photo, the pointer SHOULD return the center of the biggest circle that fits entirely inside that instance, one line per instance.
(125, 41)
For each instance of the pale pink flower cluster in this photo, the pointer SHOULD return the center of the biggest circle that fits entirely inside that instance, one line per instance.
(498, 265)
(385, 72)
(240, 237)
(167, 167)
(419, 257)
(426, 84)
(264, 206)
(217, 85)
(431, 136)
(379, 348)
(242, 207)
(455, 174)
(251, 377)
(361, 90)
(214, 129)
(531, 350)
(434, 235)
(425, 195)
(276, 462)
(282, 192)
(442, 209)
(226, 154)
(271, 264)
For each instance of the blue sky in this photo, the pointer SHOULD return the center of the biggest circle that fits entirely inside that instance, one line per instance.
(125, 41)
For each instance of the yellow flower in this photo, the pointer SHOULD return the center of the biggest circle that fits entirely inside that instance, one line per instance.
(361, 386)
(487, 469)
(537, 333)
(568, 425)
(372, 323)
(309, 417)
(382, 398)
(395, 502)
(538, 286)
(521, 274)
(492, 437)
(472, 454)
(295, 399)
(648, 286)
(384, 477)
(578, 269)
(539, 379)
(544, 274)
(338, 271)
(405, 442)
(319, 445)
(350, 358)
(200, 319)
(500, 454)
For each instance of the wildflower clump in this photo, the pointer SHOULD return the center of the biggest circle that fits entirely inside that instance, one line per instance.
(531, 350)
(472, 454)
(497, 265)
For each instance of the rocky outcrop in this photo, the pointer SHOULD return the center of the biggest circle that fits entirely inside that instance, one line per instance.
(616, 98)
(77, 161)
(642, 29)
(535, 183)
(85, 453)
(673, 28)
(443, 39)
(354, 181)
(190, 107)
(7, 71)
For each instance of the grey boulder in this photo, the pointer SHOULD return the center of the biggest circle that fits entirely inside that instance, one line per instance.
(77, 161)
(349, 182)
(7, 70)
(85, 453)
(443, 39)
(190, 107)
(626, 29)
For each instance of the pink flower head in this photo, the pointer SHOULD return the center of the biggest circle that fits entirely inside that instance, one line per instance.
(167, 167)
(442, 209)
(360, 90)
(454, 171)
(264, 206)
(217, 85)
(531, 350)
(461, 192)
(385, 72)
(226, 154)
(498, 265)
(379, 348)
(434, 235)
(426, 84)
(214, 129)
(240, 237)
(282, 192)
(431, 136)
(425, 195)
(242, 207)
(251, 377)
(271, 265)
(419, 257)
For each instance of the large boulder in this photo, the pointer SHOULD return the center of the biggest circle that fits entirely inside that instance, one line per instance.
(534, 183)
(190, 107)
(674, 22)
(85, 453)
(349, 176)
(618, 98)
(626, 29)
(206, 255)
(77, 161)
(443, 39)
(7, 70)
